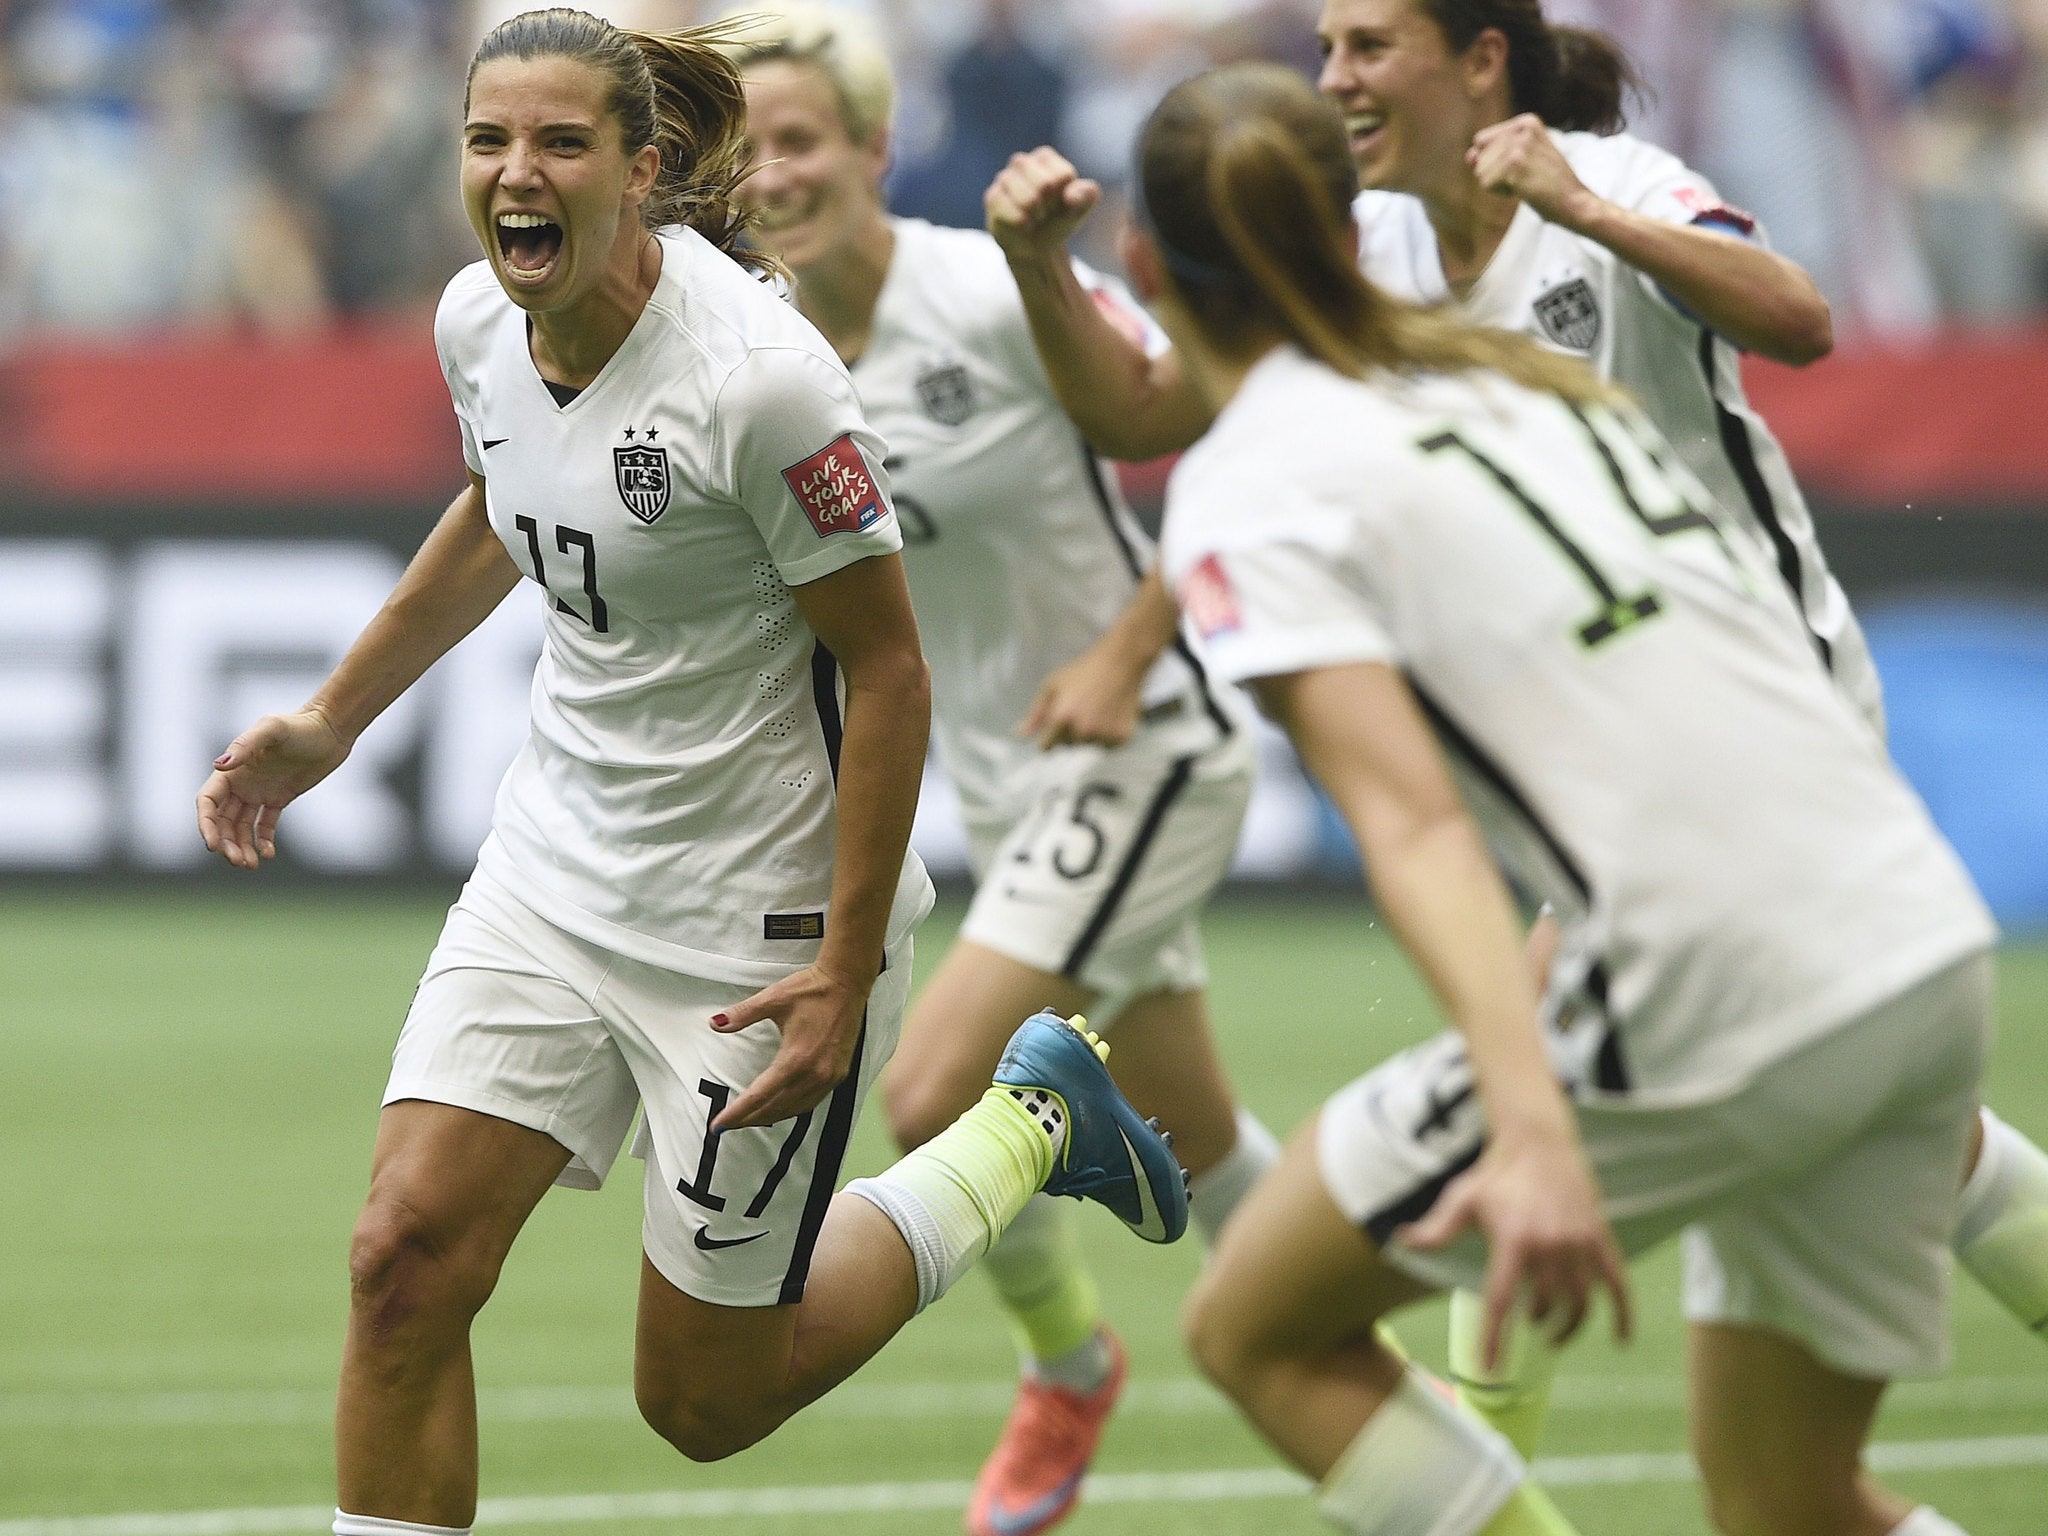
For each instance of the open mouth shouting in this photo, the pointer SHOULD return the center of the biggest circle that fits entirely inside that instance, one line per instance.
(529, 244)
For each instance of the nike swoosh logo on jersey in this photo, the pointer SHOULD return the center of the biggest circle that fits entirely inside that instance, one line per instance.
(710, 1244)
(492, 442)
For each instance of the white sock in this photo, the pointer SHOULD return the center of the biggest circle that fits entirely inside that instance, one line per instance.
(346, 1524)
(952, 1197)
(1216, 1193)
(1421, 1467)
(1927, 1521)
(2001, 1234)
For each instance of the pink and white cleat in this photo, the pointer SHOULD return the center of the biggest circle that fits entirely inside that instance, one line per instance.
(1033, 1477)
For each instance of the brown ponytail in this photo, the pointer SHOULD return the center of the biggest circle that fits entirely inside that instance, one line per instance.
(1245, 185)
(1571, 77)
(674, 90)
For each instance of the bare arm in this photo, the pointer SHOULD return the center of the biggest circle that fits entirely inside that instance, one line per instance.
(459, 576)
(1361, 733)
(861, 614)
(1097, 696)
(1755, 298)
(1128, 406)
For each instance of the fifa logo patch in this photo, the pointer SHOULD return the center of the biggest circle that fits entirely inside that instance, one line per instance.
(642, 476)
(1570, 315)
(835, 488)
(1209, 600)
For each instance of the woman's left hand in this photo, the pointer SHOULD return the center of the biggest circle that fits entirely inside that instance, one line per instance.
(1536, 1200)
(1519, 158)
(820, 1016)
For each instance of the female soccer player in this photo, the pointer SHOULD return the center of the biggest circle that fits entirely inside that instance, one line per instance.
(1497, 184)
(1436, 550)
(1092, 862)
(696, 895)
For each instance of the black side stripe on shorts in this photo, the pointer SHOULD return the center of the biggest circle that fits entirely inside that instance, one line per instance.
(1181, 648)
(1610, 1070)
(825, 694)
(1155, 813)
(1413, 1206)
(1742, 457)
(825, 1172)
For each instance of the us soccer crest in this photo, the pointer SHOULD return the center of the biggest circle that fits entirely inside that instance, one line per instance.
(947, 392)
(642, 475)
(1570, 315)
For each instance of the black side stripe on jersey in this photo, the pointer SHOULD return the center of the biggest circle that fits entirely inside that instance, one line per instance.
(1735, 442)
(1155, 813)
(825, 694)
(1382, 1224)
(1610, 1069)
(1181, 648)
(825, 1172)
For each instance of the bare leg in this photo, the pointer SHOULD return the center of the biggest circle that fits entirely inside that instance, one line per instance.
(1283, 1317)
(449, 1190)
(1166, 1062)
(713, 1380)
(957, 1030)
(1779, 1437)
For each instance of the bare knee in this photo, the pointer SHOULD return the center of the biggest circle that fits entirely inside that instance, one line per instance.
(704, 1429)
(1221, 1349)
(919, 1101)
(410, 1273)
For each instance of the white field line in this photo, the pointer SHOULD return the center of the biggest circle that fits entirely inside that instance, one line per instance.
(907, 1400)
(844, 1499)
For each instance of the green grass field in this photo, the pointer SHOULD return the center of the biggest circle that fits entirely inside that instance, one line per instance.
(187, 1093)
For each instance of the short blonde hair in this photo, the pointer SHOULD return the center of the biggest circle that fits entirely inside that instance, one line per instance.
(840, 44)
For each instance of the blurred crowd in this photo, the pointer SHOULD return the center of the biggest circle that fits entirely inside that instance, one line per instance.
(283, 164)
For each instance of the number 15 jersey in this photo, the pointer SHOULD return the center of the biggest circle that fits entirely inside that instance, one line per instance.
(674, 801)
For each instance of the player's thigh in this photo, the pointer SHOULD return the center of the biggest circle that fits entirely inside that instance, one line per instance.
(1292, 1274)
(503, 1024)
(449, 1189)
(1098, 882)
(1164, 1057)
(732, 1219)
(1779, 1435)
(957, 1029)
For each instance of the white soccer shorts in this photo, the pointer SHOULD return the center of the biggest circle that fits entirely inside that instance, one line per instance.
(1103, 878)
(1816, 1201)
(518, 1019)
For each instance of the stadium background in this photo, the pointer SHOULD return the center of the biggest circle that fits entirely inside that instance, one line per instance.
(222, 227)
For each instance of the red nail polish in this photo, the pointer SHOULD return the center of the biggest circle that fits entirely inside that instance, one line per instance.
(720, 1020)
(221, 761)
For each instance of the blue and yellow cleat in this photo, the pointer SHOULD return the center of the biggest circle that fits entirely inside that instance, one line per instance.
(1112, 1154)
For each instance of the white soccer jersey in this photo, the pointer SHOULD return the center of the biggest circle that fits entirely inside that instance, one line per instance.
(1626, 695)
(1574, 294)
(1019, 546)
(674, 800)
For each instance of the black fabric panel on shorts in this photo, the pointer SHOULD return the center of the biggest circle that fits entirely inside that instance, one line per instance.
(825, 1173)
(1181, 648)
(1610, 1069)
(825, 694)
(1742, 458)
(1155, 813)
(1413, 1206)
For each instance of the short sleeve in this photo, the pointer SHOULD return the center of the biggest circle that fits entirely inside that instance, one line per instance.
(800, 459)
(461, 389)
(1284, 593)
(1122, 309)
(1659, 185)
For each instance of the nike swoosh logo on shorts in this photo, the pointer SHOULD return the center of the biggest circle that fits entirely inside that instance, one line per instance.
(492, 442)
(710, 1244)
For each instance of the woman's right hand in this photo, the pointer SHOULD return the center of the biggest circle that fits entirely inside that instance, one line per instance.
(267, 767)
(1535, 1198)
(1036, 202)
